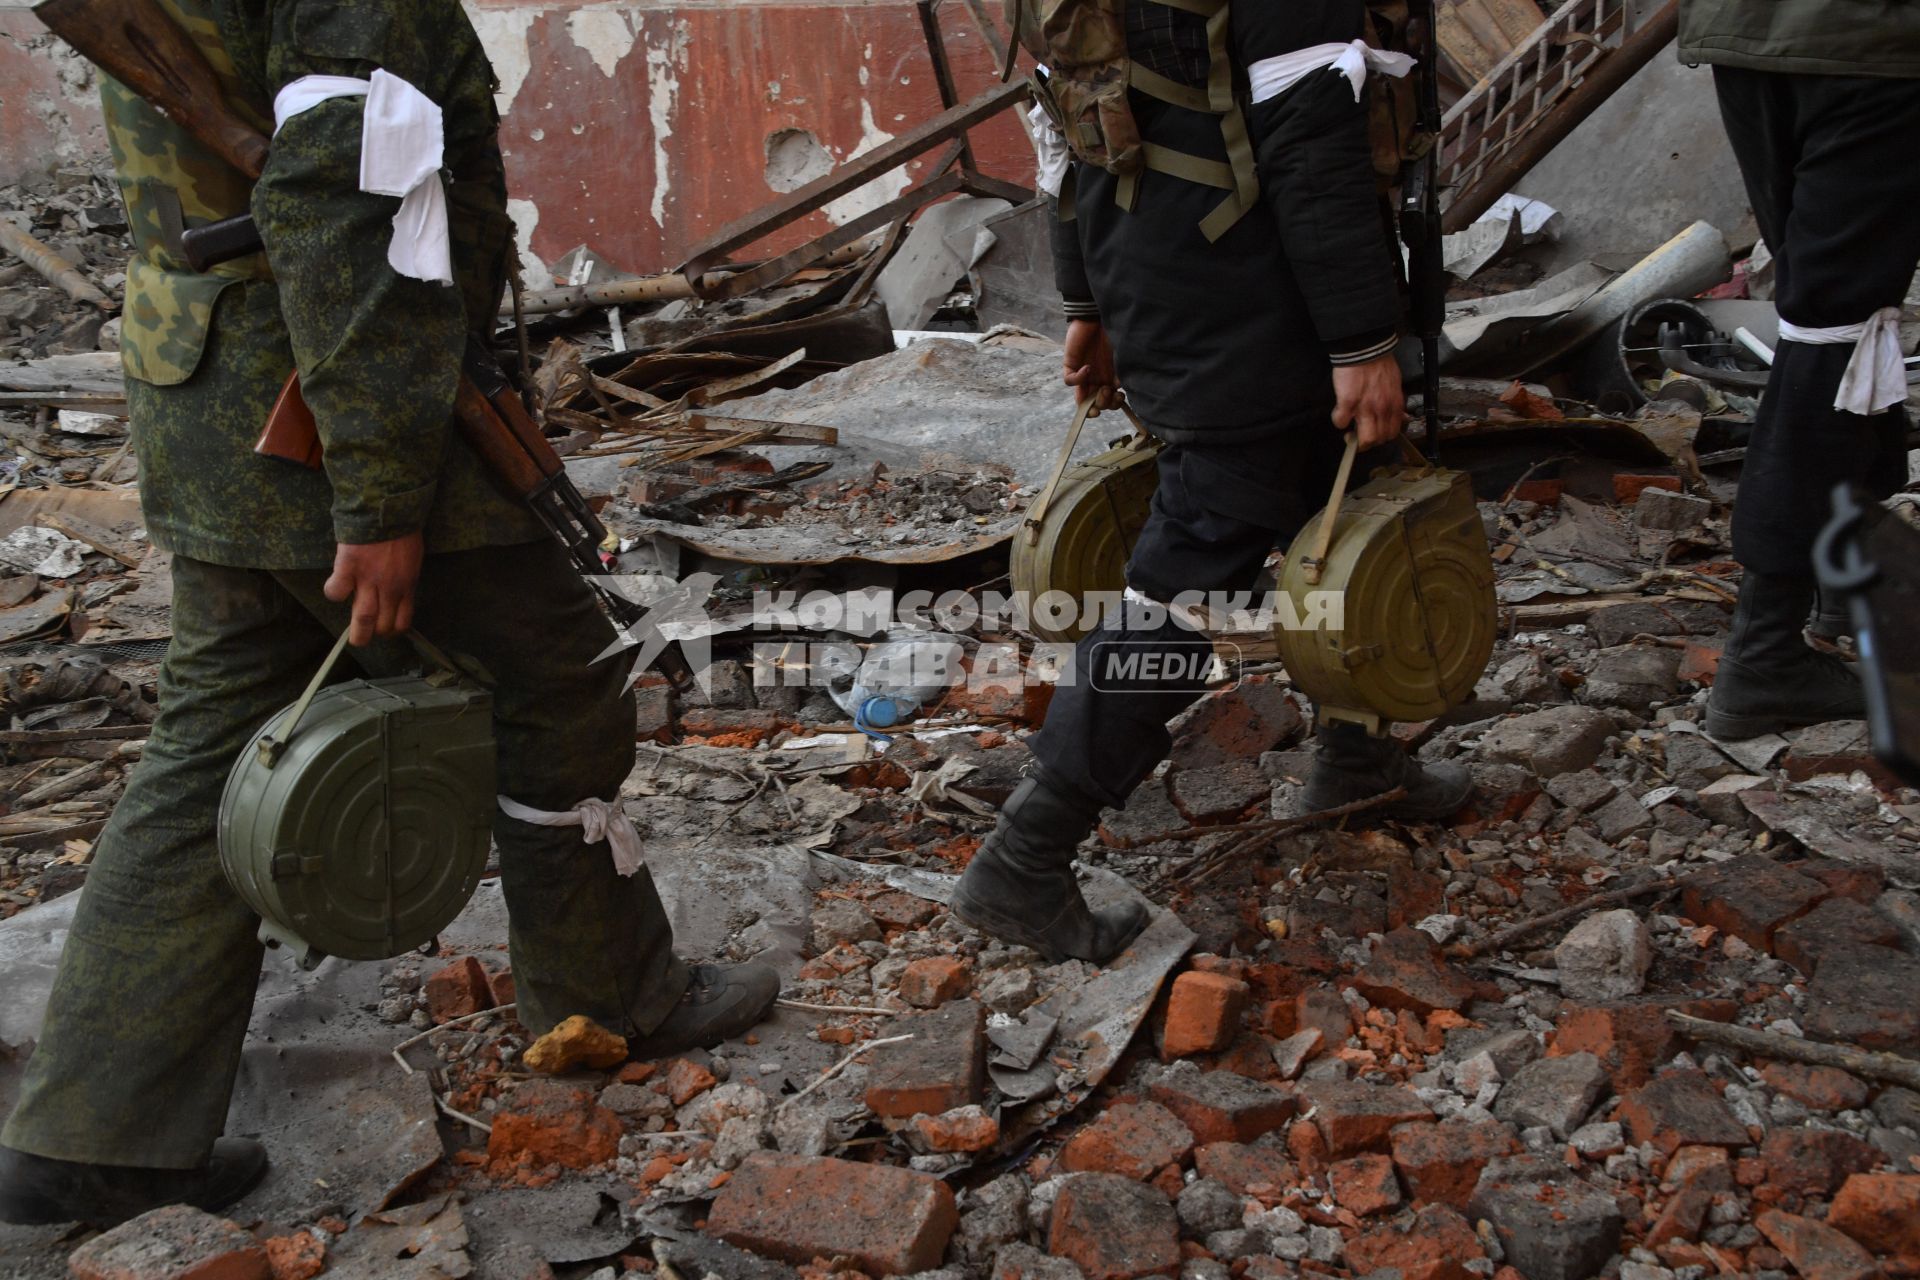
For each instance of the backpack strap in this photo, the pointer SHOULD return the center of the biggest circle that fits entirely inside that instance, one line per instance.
(1236, 174)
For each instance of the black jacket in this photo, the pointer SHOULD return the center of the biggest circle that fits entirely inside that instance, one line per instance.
(1233, 340)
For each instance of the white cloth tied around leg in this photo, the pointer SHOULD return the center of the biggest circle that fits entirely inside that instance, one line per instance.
(402, 146)
(1271, 77)
(1876, 377)
(1049, 150)
(598, 819)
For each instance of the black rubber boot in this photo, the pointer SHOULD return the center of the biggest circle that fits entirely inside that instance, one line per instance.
(1351, 764)
(1769, 679)
(1020, 886)
(722, 1001)
(38, 1191)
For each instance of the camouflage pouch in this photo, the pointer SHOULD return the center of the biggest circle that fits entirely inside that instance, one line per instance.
(1083, 43)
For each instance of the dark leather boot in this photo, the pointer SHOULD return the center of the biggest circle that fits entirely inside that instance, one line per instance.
(1831, 620)
(1768, 678)
(722, 1001)
(37, 1191)
(1351, 764)
(1020, 886)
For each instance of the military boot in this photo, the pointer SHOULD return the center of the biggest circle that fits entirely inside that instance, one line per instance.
(721, 1002)
(1020, 886)
(1351, 764)
(1831, 619)
(37, 1190)
(1768, 678)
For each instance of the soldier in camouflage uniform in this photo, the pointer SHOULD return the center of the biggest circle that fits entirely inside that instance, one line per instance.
(128, 1089)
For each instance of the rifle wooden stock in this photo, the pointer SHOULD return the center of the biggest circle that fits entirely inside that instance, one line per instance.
(136, 43)
(139, 44)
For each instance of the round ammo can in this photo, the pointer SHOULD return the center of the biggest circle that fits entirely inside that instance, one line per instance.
(357, 822)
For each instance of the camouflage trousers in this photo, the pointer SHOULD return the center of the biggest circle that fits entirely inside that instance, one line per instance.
(142, 1040)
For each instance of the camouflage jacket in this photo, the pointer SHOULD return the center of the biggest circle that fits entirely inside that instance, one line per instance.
(378, 353)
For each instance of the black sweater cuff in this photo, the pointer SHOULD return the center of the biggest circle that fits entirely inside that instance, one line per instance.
(1362, 347)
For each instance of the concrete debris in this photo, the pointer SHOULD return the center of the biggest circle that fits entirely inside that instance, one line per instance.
(1330, 1054)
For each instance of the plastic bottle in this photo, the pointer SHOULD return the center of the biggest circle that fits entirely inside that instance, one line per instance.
(899, 676)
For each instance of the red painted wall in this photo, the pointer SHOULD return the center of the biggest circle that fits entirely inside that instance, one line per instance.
(636, 128)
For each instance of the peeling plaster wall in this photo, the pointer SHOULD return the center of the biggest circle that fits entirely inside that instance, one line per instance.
(49, 115)
(640, 127)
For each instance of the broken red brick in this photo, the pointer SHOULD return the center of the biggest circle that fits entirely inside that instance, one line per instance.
(500, 986)
(1413, 895)
(966, 1130)
(1354, 1116)
(1859, 881)
(1630, 1037)
(458, 990)
(1627, 487)
(1322, 1009)
(1814, 1162)
(1882, 1212)
(1437, 1245)
(902, 911)
(747, 728)
(1681, 1217)
(1245, 1170)
(1307, 1147)
(1700, 662)
(1219, 1106)
(1442, 1162)
(1241, 723)
(1131, 1139)
(544, 1122)
(299, 1256)
(1406, 971)
(636, 1072)
(1750, 897)
(1821, 1088)
(1113, 1228)
(1837, 924)
(1203, 1013)
(941, 1068)
(178, 1241)
(1816, 1250)
(1707, 1168)
(687, 1080)
(1251, 1056)
(1680, 1109)
(930, 983)
(1365, 1184)
(885, 1220)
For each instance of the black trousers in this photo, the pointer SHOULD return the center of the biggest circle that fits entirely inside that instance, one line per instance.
(1830, 169)
(1219, 511)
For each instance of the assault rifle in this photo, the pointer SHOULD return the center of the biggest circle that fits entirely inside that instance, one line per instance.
(1420, 222)
(140, 45)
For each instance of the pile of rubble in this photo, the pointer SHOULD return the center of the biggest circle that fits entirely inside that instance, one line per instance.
(77, 215)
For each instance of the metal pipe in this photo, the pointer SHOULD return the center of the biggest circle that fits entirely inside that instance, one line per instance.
(55, 269)
(1599, 84)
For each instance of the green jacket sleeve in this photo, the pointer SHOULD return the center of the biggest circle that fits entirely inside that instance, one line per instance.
(378, 353)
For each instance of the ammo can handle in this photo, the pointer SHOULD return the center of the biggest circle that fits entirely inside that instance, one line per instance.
(1311, 567)
(271, 749)
(1314, 565)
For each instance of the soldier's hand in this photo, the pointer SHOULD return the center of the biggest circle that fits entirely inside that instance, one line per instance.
(1369, 398)
(379, 577)
(1089, 365)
